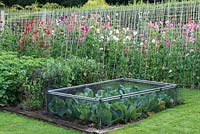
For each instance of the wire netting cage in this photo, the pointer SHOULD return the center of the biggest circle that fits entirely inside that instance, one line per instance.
(106, 103)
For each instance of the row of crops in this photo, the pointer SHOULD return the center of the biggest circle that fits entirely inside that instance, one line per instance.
(107, 112)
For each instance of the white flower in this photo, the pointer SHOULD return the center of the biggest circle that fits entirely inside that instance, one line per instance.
(110, 33)
(153, 41)
(135, 33)
(115, 38)
(98, 30)
(124, 29)
(117, 31)
(52, 32)
(108, 39)
(187, 54)
(170, 71)
(191, 50)
(101, 48)
(146, 13)
(140, 15)
(57, 22)
(124, 41)
(102, 37)
(141, 43)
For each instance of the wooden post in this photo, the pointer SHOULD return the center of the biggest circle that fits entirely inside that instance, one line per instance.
(2, 20)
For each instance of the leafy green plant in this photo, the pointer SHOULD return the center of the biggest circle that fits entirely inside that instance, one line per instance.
(57, 73)
(8, 40)
(33, 95)
(108, 113)
(84, 70)
(14, 73)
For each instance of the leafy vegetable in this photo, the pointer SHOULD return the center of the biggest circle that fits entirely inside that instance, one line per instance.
(108, 113)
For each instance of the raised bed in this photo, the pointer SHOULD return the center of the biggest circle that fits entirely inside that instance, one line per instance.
(103, 104)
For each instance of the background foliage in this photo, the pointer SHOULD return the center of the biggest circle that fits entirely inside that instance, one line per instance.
(76, 3)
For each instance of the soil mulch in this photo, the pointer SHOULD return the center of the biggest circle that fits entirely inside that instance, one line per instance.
(42, 115)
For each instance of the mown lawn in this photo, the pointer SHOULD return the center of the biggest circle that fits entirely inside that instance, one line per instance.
(184, 119)
(14, 124)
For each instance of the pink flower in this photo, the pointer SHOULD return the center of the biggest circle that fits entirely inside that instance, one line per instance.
(190, 21)
(70, 26)
(167, 42)
(150, 24)
(106, 25)
(85, 29)
(129, 37)
(156, 26)
(62, 18)
(108, 18)
(191, 50)
(171, 25)
(191, 39)
(167, 22)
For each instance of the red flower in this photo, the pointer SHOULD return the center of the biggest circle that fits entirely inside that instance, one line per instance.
(36, 38)
(34, 33)
(23, 43)
(46, 47)
(31, 41)
(18, 47)
(48, 32)
(32, 22)
(41, 23)
(28, 28)
(41, 44)
(44, 29)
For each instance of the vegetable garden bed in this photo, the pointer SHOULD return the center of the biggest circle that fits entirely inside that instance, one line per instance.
(104, 104)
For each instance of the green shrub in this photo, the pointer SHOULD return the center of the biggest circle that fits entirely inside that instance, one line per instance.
(8, 40)
(51, 6)
(33, 94)
(84, 70)
(24, 79)
(14, 73)
(57, 73)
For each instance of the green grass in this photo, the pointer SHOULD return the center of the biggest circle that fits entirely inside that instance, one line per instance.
(14, 124)
(184, 119)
